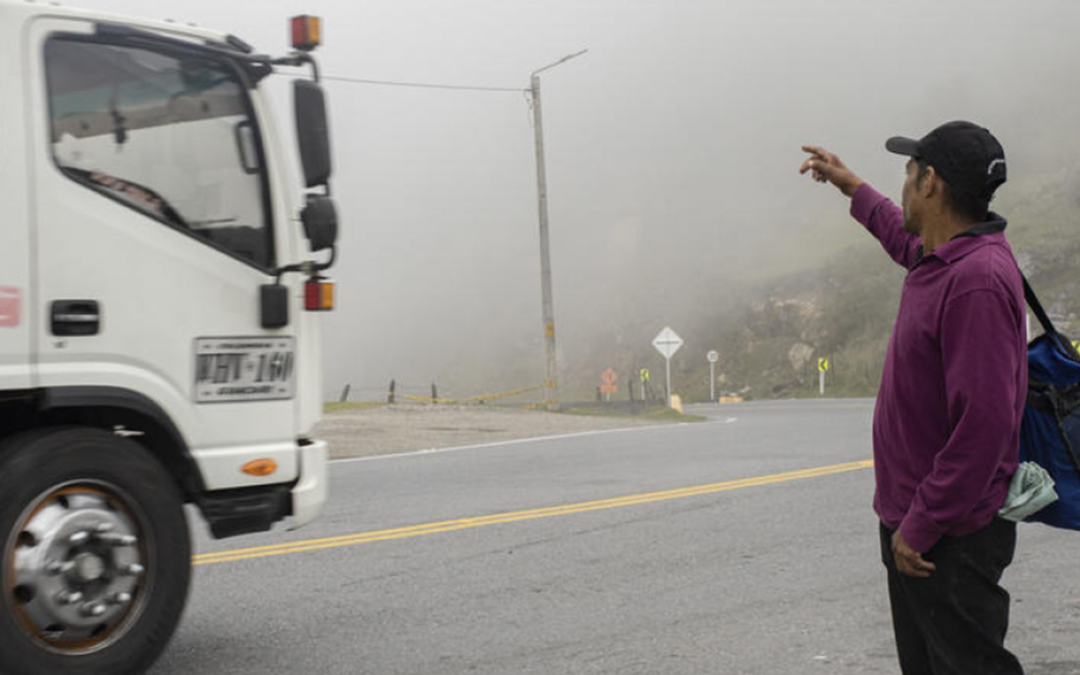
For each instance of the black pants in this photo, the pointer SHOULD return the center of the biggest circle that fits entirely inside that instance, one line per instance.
(954, 622)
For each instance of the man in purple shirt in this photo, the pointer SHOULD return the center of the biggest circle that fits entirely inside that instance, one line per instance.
(947, 420)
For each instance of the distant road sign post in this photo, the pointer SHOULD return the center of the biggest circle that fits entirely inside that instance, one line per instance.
(713, 356)
(667, 342)
(822, 367)
(609, 377)
(643, 375)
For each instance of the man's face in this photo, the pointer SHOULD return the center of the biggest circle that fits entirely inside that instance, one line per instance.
(909, 199)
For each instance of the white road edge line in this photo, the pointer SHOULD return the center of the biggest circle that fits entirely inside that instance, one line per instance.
(514, 441)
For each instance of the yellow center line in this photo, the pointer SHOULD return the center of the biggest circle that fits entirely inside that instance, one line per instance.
(518, 516)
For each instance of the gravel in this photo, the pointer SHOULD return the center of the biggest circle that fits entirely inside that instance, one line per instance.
(384, 430)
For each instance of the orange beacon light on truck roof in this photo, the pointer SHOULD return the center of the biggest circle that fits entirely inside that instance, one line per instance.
(306, 32)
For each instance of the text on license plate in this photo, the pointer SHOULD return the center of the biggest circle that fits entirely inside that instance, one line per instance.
(244, 369)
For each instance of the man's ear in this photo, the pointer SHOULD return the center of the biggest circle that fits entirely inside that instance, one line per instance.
(931, 183)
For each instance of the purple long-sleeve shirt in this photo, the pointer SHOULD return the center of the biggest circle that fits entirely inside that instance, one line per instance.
(947, 420)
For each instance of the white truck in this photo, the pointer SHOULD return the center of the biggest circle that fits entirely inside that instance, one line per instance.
(160, 258)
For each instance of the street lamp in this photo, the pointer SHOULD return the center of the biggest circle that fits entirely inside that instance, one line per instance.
(551, 386)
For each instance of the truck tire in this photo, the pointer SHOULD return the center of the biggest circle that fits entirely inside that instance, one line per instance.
(96, 554)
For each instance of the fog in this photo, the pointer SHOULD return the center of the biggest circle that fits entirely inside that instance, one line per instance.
(672, 154)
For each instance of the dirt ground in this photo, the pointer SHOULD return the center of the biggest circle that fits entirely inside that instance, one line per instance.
(384, 430)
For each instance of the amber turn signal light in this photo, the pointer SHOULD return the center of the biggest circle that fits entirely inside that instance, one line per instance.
(259, 467)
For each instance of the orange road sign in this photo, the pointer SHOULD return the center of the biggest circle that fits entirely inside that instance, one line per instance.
(609, 377)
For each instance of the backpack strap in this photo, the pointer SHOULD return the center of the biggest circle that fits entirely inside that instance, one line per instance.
(1037, 308)
(1044, 319)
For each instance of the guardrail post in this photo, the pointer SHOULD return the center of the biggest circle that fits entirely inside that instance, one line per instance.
(390, 395)
(345, 393)
(434, 394)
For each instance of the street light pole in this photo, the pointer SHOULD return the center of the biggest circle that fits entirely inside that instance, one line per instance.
(551, 385)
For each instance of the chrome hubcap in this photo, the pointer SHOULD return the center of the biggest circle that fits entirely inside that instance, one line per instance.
(75, 568)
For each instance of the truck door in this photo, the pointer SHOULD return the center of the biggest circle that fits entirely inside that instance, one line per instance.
(15, 289)
(155, 231)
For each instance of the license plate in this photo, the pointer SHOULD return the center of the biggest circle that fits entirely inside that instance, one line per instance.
(244, 369)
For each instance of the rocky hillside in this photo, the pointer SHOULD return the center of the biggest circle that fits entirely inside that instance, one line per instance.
(771, 335)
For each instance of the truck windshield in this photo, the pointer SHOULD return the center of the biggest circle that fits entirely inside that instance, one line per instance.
(166, 134)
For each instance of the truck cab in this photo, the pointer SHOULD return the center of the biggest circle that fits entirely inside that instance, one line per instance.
(161, 278)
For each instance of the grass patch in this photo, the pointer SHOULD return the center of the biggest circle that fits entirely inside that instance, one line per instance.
(351, 405)
(654, 414)
(669, 415)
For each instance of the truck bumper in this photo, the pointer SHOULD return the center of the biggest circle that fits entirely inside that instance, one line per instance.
(310, 493)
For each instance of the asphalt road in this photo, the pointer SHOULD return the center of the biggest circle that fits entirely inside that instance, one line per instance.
(745, 544)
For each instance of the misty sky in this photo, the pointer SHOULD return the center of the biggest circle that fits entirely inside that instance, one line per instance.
(672, 153)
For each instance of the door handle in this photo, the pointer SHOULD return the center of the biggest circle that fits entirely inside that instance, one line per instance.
(75, 317)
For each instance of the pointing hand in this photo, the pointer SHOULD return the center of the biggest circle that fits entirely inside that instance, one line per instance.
(827, 167)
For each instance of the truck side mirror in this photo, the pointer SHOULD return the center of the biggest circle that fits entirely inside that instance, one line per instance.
(320, 222)
(312, 132)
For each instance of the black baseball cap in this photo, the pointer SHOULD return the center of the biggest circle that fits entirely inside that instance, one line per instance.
(966, 155)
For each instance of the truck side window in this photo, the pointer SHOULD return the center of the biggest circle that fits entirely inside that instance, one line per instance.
(168, 134)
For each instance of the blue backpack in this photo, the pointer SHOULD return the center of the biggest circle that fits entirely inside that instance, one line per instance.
(1050, 431)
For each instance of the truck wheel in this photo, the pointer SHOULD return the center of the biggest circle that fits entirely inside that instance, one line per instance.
(96, 554)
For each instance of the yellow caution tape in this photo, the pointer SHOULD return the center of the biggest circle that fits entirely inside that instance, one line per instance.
(470, 399)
